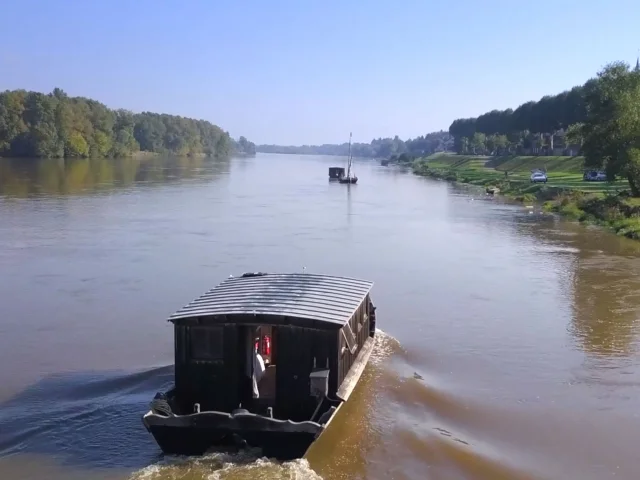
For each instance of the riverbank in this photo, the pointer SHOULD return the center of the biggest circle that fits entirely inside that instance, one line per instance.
(565, 192)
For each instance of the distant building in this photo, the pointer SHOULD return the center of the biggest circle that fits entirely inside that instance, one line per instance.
(559, 143)
(547, 144)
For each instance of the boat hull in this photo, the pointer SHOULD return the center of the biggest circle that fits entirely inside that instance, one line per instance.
(196, 433)
(351, 180)
(193, 441)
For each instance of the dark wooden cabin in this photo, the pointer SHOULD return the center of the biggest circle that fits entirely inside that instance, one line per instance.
(335, 173)
(318, 331)
(316, 323)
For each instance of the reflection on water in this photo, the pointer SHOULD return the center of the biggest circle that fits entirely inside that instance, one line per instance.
(607, 300)
(23, 178)
(602, 278)
(512, 345)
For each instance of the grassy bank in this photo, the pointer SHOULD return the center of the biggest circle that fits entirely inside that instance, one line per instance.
(565, 192)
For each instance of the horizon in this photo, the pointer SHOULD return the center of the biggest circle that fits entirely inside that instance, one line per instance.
(290, 74)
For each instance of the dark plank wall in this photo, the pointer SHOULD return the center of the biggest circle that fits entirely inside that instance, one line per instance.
(297, 348)
(360, 326)
(215, 383)
(212, 383)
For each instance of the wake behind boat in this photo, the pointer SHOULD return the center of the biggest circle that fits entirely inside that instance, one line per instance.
(264, 360)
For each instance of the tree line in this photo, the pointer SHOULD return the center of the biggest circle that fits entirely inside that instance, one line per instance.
(34, 124)
(549, 114)
(600, 118)
(377, 148)
(530, 126)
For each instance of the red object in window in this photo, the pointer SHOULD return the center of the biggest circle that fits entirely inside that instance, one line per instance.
(256, 346)
(266, 345)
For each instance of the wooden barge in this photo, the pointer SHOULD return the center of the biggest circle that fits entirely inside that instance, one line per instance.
(348, 178)
(264, 360)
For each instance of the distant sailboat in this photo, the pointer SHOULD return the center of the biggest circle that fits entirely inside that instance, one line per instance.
(348, 178)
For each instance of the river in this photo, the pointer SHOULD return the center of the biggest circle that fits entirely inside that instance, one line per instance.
(509, 343)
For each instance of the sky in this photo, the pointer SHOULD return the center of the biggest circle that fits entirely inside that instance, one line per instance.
(307, 71)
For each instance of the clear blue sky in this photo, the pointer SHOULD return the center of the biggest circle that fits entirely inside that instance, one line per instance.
(305, 71)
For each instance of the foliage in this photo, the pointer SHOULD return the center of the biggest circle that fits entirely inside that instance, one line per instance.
(536, 127)
(548, 115)
(34, 124)
(613, 211)
(378, 148)
(244, 146)
(565, 192)
(403, 159)
(600, 119)
(574, 134)
(611, 129)
(513, 172)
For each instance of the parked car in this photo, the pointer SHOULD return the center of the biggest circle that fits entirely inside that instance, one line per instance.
(538, 177)
(594, 176)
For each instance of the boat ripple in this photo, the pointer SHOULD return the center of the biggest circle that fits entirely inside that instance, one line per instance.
(85, 419)
(222, 466)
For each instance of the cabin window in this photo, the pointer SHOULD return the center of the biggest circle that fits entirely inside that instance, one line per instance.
(206, 343)
(350, 338)
(361, 318)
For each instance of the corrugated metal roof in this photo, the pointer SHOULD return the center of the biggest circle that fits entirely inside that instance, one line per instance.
(316, 297)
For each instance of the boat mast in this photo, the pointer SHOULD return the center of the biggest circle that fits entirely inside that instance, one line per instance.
(349, 161)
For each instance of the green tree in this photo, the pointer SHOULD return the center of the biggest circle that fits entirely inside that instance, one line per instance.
(464, 145)
(611, 130)
(490, 143)
(547, 115)
(101, 144)
(76, 146)
(245, 146)
(56, 125)
(42, 139)
(378, 147)
(12, 107)
(478, 143)
(573, 135)
(501, 143)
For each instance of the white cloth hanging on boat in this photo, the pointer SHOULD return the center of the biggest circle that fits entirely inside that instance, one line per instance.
(258, 372)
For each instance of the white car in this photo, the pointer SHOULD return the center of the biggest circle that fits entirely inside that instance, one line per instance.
(538, 177)
(594, 176)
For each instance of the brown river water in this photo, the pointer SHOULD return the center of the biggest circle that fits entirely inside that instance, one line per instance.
(509, 342)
